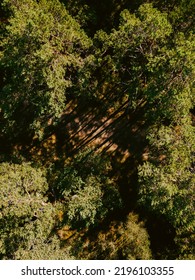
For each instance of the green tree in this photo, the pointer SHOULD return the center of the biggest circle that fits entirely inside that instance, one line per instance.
(125, 53)
(86, 190)
(27, 218)
(167, 180)
(145, 61)
(180, 13)
(50, 249)
(42, 51)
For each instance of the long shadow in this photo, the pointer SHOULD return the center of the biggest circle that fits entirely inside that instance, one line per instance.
(90, 137)
(84, 123)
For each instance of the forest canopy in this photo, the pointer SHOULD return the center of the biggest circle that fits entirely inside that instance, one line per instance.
(97, 129)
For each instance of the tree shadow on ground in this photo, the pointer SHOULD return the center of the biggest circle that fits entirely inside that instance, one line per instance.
(117, 132)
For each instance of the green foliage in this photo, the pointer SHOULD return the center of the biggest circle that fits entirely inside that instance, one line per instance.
(87, 191)
(50, 249)
(181, 15)
(126, 51)
(26, 217)
(167, 181)
(42, 51)
(172, 90)
(83, 12)
(85, 203)
(146, 58)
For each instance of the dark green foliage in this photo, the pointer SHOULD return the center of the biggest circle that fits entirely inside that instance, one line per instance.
(41, 54)
(168, 180)
(120, 66)
(87, 191)
(145, 61)
(127, 53)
